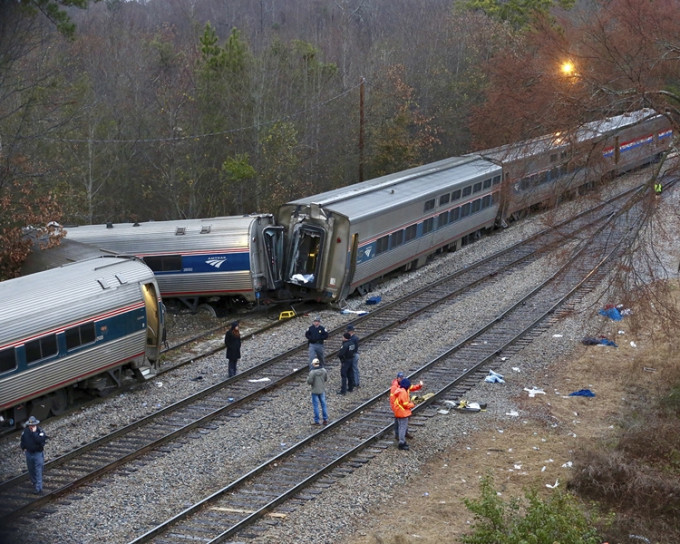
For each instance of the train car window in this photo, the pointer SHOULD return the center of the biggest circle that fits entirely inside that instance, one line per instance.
(477, 187)
(467, 191)
(487, 183)
(429, 205)
(544, 178)
(486, 202)
(454, 215)
(410, 233)
(8, 360)
(465, 210)
(444, 199)
(397, 238)
(164, 263)
(553, 157)
(41, 348)
(80, 335)
(476, 205)
(496, 180)
(428, 225)
(382, 244)
(443, 220)
(455, 195)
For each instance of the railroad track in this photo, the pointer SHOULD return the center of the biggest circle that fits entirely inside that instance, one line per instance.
(237, 510)
(67, 473)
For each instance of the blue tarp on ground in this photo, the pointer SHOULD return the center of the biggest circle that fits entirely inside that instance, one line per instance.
(590, 341)
(582, 393)
(611, 313)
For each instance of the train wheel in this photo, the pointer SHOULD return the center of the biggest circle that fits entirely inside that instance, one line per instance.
(40, 408)
(59, 402)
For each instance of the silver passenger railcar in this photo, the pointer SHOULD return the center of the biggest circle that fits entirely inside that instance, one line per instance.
(236, 258)
(82, 327)
(555, 167)
(342, 240)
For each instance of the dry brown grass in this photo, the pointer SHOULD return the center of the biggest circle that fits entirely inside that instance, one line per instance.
(624, 443)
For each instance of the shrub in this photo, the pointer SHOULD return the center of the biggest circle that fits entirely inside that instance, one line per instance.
(558, 519)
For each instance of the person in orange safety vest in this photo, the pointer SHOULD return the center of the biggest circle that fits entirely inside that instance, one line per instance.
(401, 407)
(393, 390)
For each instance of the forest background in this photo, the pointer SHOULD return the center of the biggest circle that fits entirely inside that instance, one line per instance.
(161, 109)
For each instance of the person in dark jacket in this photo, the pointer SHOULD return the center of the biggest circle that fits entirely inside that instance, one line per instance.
(346, 355)
(315, 335)
(355, 362)
(33, 442)
(232, 340)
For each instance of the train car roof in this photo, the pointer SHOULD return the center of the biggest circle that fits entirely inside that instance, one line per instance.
(589, 131)
(69, 294)
(393, 190)
(170, 236)
(68, 251)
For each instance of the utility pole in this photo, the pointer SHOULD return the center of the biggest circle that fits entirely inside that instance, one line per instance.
(361, 129)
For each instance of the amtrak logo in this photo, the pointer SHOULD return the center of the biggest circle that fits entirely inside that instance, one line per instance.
(216, 261)
(367, 252)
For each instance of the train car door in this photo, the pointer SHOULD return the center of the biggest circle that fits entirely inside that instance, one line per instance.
(273, 247)
(306, 256)
(154, 321)
(351, 266)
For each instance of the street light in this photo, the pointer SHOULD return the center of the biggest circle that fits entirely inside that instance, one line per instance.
(568, 68)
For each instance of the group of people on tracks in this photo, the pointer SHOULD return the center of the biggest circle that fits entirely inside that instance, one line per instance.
(316, 335)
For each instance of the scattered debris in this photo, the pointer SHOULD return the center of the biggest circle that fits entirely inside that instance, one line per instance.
(582, 393)
(557, 482)
(592, 341)
(374, 300)
(258, 380)
(494, 377)
(534, 391)
(465, 406)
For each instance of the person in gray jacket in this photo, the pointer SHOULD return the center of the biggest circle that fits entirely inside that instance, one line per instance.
(317, 379)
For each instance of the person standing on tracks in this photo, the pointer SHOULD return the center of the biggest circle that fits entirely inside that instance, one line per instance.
(232, 340)
(32, 443)
(346, 355)
(317, 379)
(402, 407)
(355, 360)
(393, 390)
(315, 335)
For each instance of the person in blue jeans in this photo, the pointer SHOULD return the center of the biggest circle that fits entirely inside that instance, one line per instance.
(355, 362)
(317, 379)
(316, 334)
(33, 442)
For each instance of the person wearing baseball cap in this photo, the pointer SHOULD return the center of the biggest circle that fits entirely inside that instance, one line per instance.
(317, 379)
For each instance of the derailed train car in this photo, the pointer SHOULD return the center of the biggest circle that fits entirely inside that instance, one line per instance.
(236, 258)
(84, 327)
(543, 171)
(340, 241)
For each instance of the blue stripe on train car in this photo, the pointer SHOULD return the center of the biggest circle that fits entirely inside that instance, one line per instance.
(226, 262)
(106, 330)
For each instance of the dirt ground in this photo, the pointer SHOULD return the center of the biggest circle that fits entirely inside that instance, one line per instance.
(532, 448)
